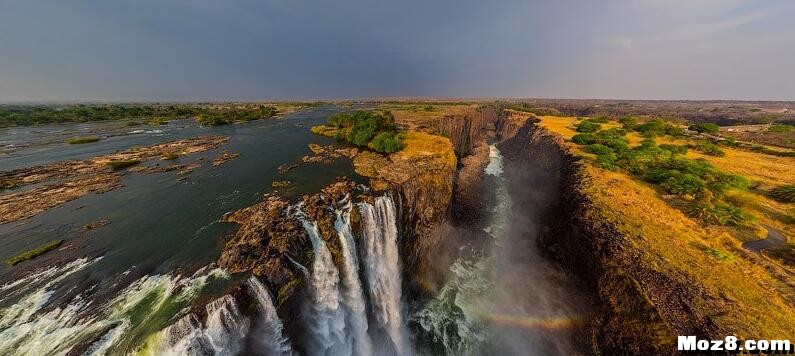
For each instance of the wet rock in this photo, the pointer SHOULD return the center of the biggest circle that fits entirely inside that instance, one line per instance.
(96, 224)
(226, 156)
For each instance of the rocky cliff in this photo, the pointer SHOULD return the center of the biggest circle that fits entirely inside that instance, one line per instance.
(647, 280)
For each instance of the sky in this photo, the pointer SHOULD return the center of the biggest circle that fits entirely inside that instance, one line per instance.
(251, 50)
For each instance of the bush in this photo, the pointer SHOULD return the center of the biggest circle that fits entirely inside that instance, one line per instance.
(708, 148)
(588, 127)
(674, 149)
(705, 128)
(607, 161)
(387, 142)
(585, 138)
(81, 140)
(684, 184)
(598, 149)
(720, 214)
(784, 193)
(629, 122)
(659, 127)
(366, 128)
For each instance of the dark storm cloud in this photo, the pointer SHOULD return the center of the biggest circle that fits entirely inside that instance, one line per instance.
(250, 50)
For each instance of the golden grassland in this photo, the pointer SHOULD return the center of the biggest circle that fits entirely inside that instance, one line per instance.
(765, 171)
(420, 144)
(756, 290)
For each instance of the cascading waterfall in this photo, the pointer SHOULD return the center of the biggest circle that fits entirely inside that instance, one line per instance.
(382, 268)
(223, 336)
(326, 319)
(353, 295)
(269, 335)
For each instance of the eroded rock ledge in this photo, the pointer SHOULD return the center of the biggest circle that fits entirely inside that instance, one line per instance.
(61, 182)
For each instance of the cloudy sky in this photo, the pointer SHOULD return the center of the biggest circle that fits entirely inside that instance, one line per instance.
(145, 50)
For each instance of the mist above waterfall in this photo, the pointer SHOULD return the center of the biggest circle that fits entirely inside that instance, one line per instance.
(504, 297)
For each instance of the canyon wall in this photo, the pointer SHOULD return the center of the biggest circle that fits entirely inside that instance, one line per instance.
(639, 308)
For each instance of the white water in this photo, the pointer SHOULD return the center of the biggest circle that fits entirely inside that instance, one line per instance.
(353, 294)
(269, 335)
(382, 267)
(26, 330)
(326, 318)
(223, 336)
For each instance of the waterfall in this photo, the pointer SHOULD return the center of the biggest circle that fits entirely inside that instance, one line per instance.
(382, 268)
(353, 295)
(223, 336)
(326, 319)
(268, 335)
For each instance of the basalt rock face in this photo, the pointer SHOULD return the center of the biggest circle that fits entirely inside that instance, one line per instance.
(466, 131)
(638, 309)
(272, 244)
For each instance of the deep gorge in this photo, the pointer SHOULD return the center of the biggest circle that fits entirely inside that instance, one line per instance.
(491, 255)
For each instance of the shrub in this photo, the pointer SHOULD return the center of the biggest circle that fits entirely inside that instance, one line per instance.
(365, 128)
(629, 122)
(607, 161)
(122, 164)
(720, 214)
(705, 128)
(708, 148)
(784, 193)
(36, 252)
(387, 142)
(684, 184)
(584, 138)
(588, 126)
(674, 149)
(598, 149)
(81, 140)
(658, 127)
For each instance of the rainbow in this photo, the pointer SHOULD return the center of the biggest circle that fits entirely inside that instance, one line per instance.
(524, 322)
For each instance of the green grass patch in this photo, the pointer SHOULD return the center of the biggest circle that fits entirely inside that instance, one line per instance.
(82, 140)
(36, 252)
(122, 164)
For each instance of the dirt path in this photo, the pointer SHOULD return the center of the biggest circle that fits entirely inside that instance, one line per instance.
(774, 238)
